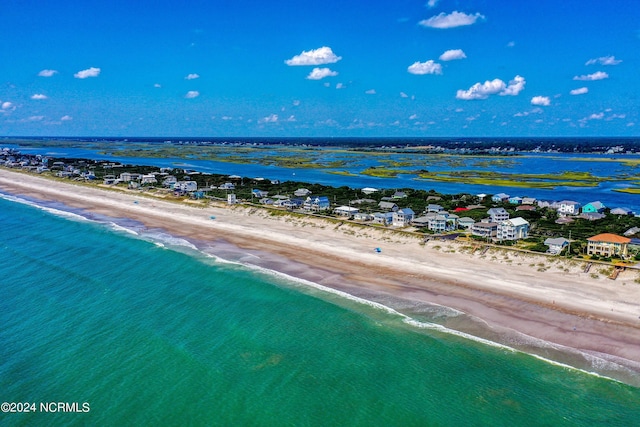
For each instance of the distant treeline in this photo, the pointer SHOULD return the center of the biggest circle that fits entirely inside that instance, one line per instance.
(485, 144)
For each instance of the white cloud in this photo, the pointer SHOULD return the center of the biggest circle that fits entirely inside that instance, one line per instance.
(38, 96)
(89, 72)
(192, 76)
(604, 60)
(541, 100)
(579, 91)
(413, 117)
(598, 75)
(272, 118)
(454, 19)
(511, 44)
(594, 116)
(296, 102)
(403, 95)
(66, 118)
(7, 105)
(495, 86)
(340, 86)
(432, 3)
(47, 73)
(192, 94)
(452, 54)
(321, 73)
(157, 85)
(291, 118)
(370, 92)
(320, 56)
(429, 67)
(515, 86)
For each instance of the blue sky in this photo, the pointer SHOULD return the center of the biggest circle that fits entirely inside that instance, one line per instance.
(325, 68)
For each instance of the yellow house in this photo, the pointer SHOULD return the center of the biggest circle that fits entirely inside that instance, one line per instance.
(607, 245)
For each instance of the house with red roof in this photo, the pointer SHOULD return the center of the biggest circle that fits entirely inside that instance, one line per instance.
(608, 245)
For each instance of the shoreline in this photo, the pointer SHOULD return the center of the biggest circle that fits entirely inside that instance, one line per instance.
(508, 294)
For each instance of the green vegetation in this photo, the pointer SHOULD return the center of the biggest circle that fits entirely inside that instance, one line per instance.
(520, 180)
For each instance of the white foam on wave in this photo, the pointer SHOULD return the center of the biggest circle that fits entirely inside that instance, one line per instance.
(168, 240)
(119, 227)
(56, 212)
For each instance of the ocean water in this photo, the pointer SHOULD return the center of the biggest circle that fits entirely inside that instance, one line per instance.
(149, 331)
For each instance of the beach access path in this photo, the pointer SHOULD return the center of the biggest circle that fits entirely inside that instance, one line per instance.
(546, 298)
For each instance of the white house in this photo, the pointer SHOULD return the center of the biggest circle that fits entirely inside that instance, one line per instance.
(318, 203)
(569, 207)
(384, 218)
(186, 186)
(347, 211)
(500, 197)
(231, 199)
(513, 229)
(402, 217)
(227, 186)
(148, 179)
(556, 244)
(369, 190)
(498, 214)
(465, 222)
(301, 192)
(485, 229)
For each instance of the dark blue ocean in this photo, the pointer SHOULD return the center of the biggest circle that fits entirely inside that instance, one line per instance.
(147, 330)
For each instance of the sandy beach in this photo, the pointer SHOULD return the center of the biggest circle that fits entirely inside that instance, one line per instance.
(550, 299)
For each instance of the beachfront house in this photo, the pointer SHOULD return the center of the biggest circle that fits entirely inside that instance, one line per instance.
(316, 204)
(301, 192)
(169, 181)
(231, 199)
(185, 186)
(593, 207)
(513, 229)
(568, 207)
(129, 176)
(485, 229)
(498, 214)
(632, 231)
(500, 197)
(383, 218)
(529, 201)
(608, 245)
(556, 244)
(402, 217)
(465, 222)
(148, 179)
(362, 216)
(346, 211)
(434, 208)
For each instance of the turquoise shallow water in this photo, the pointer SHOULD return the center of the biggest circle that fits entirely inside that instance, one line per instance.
(153, 335)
